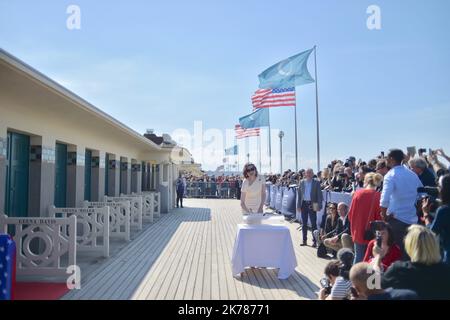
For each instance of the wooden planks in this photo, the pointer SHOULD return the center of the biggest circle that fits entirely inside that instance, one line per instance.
(187, 255)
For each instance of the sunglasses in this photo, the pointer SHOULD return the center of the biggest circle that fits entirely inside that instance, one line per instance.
(251, 169)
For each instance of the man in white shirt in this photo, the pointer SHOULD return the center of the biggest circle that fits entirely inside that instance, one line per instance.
(399, 197)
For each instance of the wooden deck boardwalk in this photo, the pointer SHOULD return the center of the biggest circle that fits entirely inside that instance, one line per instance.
(186, 254)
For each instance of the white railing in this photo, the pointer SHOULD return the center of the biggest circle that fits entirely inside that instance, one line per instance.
(156, 202)
(45, 246)
(93, 227)
(119, 216)
(147, 203)
(136, 208)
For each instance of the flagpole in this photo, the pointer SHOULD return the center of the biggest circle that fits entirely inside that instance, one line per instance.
(317, 111)
(236, 143)
(259, 153)
(270, 146)
(296, 142)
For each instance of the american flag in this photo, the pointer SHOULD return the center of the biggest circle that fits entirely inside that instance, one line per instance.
(244, 133)
(270, 98)
(7, 267)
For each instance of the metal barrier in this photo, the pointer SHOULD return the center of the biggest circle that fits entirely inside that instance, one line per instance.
(284, 200)
(200, 189)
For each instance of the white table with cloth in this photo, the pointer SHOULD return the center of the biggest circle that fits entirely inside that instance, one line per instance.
(264, 245)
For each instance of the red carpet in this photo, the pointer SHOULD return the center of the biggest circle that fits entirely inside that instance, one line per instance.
(39, 291)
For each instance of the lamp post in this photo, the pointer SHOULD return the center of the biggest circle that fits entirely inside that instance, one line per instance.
(281, 135)
(248, 157)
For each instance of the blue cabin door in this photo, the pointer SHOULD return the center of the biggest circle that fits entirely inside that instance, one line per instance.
(60, 175)
(87, 175)
(17, 175)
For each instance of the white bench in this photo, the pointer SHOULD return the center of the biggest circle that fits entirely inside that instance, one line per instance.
(136, 208)
(92, 227)
(156, 202)
(119, 217)
(55, 238)
(147, 203)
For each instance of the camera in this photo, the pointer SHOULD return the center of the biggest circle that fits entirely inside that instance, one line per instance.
(422, 150)
(378, 239)
(325, 283)
(430, 191)
(343, 175)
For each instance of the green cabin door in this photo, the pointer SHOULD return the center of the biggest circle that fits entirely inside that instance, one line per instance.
(106, 174)
(17, 175)
(120, 178)
(60, 175)
(87, 175)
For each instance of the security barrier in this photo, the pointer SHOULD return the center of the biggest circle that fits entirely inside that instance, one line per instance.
(200, 189)
(284, 200)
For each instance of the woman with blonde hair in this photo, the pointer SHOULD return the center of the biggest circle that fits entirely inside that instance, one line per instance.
(364, 208)
(425, 273)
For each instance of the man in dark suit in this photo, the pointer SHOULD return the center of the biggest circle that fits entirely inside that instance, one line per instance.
(309, 201)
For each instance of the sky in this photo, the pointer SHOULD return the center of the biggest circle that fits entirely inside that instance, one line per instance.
(166, 65)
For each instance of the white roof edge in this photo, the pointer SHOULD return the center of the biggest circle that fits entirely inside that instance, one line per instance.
(52, 84)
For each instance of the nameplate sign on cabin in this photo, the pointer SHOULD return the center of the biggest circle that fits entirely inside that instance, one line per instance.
(37, 221)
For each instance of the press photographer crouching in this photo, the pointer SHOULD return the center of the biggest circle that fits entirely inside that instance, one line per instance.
(336, 285)
(436, 213)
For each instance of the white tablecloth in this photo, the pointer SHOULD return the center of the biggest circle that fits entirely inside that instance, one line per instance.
(264, 246)
(261, 218)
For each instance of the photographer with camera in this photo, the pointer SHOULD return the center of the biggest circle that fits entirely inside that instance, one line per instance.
(384, 242)
(337, 285)
(441, 222)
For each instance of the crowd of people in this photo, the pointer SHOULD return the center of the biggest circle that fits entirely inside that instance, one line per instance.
(220, 186)
(396, 229)
(395, 232)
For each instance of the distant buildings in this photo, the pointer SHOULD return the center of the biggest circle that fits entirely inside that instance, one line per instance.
(58, 149)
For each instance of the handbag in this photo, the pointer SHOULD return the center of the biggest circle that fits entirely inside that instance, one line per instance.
(368, 232)
(321, 251)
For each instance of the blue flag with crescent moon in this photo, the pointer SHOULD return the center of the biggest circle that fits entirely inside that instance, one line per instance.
(290, 72)
(257, 119)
